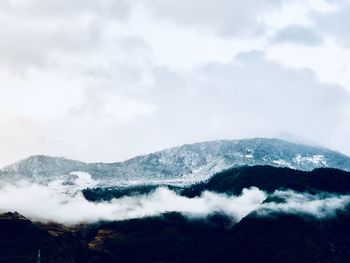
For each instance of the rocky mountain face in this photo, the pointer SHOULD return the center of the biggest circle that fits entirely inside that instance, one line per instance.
(193, 162)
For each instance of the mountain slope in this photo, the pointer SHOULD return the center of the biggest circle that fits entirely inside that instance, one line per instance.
(191, 162)
(173, 238)
(279, 236)
(234, 180)
(269, 179)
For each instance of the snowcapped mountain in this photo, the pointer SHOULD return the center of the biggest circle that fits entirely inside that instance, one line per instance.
(187, 163)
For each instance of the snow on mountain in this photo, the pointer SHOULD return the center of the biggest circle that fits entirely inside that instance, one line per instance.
(187, 163)
(73, 182)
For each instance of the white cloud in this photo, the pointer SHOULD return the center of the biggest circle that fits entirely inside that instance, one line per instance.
(38, 33)
(106, 80)
(223, 17)
(43, 203)
(249, 96)
(334, 23)
(113, 9)
(46, 203)
(322, 205)
(121, 116)
(297, 34)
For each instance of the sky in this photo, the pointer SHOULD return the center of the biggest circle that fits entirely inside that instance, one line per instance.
(106, 80)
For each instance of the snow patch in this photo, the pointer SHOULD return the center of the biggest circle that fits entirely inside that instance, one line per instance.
(84, 180)
(72, 183)
(314, 159)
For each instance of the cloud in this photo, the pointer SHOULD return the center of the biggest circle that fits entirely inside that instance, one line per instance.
(117, 114)
(51, 203)
(224, 17)
(81, 79)
(297, 34)
(41, 34)
(334, 23)
(114, 9)
(247, 97)
(322, 205)
(43, 203)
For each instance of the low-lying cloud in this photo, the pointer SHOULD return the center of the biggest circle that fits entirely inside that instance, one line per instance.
(321, 205)
(43, 203)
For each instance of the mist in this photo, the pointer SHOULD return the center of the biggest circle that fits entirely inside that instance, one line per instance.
(43, 203)
(321, 205)
(47, 204)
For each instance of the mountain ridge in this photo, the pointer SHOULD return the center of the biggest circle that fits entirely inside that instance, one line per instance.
(192, 162)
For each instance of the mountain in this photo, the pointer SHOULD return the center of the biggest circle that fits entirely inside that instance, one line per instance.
(174, 238)
(187, 163)
(18, 240)
(284, 236)
(21, 240)
(232, 181)
(269, 179)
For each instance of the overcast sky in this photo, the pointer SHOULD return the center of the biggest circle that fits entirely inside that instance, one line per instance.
(105, 80)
